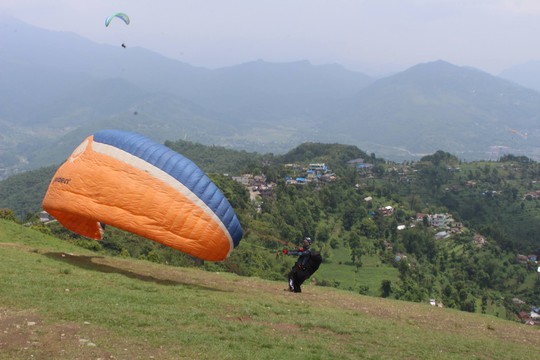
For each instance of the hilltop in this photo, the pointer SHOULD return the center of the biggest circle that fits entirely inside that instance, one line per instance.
(61, 301)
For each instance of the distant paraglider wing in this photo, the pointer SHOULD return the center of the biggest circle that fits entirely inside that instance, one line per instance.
(514, 131)
(118, 15)
(125, 180)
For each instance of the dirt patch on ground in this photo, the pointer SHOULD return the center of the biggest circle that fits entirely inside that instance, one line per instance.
(24, 334)
(15, 245)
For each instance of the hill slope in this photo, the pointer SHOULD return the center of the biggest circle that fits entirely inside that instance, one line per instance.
(58, 300)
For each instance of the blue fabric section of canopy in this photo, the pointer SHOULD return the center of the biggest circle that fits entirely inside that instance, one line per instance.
(180, 168)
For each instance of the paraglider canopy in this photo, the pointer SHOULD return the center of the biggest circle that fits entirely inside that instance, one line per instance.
(127, 181)
(120, 15)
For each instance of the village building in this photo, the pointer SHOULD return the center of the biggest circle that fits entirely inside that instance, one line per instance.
(265, 190)
(361, 167)
(243, 179)
(386, 211)
(479, 240)
(355, 162)
(318, 168)
(532, 195)
(420, 217)
(330, 177)
(441, 235)
(257, 185)
(440, 220)
(45, 217)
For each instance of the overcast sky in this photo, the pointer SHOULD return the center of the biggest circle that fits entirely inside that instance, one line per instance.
(373, 36)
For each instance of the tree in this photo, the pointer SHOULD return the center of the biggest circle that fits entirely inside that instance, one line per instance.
(386, 288)
(8, 214)
(352, 214)
(369, 228)
(468, 305)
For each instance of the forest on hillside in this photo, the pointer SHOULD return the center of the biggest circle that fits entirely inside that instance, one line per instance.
(465, 234)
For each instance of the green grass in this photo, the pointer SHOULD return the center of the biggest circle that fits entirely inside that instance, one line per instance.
(60, 301)
(370, 274)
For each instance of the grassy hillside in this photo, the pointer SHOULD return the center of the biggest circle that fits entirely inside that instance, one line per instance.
(60, 301)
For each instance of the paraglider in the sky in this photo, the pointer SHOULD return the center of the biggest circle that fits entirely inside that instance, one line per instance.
(127, 181)
(118, 15)
(514, 131)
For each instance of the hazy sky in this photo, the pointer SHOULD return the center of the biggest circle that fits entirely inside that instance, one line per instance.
(373, 36)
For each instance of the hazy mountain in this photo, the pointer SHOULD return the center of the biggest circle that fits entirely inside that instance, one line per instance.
(229, 89)
(58, 85)
(441, 106)
(527, 74)
(57, 88)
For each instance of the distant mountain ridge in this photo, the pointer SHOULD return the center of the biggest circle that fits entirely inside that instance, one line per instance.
(57, 88)
(527, 74)
(462, 110)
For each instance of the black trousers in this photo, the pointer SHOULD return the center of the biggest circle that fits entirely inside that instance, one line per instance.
(297, 276)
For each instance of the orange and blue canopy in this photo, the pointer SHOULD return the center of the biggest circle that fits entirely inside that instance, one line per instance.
(126, 180)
